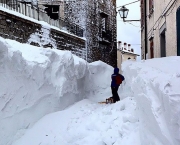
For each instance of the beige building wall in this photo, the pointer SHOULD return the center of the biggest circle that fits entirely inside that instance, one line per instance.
(154, 27)
(119, 59)
(142, 45)
(127, 56)
(123, 57)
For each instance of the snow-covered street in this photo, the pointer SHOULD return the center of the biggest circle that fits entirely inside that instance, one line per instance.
(50, 97)
(88, 123)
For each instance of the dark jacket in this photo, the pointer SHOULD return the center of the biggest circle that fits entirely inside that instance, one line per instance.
(113, 76)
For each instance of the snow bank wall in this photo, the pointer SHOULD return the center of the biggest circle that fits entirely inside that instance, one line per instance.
(155, 86)
(35, 82)
(98, 81)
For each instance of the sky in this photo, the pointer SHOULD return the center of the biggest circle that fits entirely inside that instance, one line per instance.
(126, 32)
(50, 97)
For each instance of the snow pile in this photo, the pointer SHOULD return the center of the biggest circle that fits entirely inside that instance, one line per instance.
(98, 81)
(154, 84)
(35, 82)
(87, 123)
(42, 39)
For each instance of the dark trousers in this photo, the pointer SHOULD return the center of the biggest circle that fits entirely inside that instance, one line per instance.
(115, 93)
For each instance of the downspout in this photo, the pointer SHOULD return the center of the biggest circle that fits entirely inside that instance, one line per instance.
(145, 27)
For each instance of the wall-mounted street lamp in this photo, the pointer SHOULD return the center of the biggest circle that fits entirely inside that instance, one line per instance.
(123, 12)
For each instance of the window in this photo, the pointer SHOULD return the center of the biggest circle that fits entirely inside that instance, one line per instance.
(55, 9)
(103, 24)
(151, 6)
(152, 47)
(162, 32)
(163, 44)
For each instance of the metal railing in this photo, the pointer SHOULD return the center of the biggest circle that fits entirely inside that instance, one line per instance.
(40, 15)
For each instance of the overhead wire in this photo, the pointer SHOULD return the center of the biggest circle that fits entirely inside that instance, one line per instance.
(171, 9)
(174, 3)
(162, 15)
(128, 4)
(133, 24)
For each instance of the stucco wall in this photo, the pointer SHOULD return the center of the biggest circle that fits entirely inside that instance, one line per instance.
(169, 20)
(119, 59)
(123, 57)
(171, 33)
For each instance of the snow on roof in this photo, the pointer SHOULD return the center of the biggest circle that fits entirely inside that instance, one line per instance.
(45, 24)
(125, 51)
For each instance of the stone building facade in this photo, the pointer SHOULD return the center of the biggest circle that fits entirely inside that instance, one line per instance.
(163, 28)
(22, 30)
(98, 18)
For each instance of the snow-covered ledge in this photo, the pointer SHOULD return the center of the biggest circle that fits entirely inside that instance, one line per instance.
(39, 33)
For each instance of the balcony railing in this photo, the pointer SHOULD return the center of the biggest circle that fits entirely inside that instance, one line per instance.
(105, 35)
(40, 15)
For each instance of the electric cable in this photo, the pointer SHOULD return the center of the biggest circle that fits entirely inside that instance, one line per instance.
(171, 9)
(133, 24)
(160, 17)
(174, 3)
(128, 4)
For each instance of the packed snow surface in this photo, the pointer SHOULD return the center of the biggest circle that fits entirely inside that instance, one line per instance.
(50, 97)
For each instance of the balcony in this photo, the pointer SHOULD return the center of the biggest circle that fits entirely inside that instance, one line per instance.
(105, 36)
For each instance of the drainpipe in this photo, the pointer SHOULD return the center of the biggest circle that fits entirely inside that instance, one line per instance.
(38, 9)
(145, 27)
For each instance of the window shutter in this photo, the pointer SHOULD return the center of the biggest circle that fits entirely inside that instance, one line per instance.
(103, 23)
(151, 5)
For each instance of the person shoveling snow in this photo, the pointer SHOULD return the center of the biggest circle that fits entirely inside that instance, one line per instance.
(116, 80)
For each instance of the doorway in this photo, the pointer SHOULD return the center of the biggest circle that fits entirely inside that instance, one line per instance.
(163, 43)
(152, 47)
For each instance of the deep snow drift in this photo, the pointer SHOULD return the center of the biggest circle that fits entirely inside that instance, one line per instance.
(37, 83)
(155, 86)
